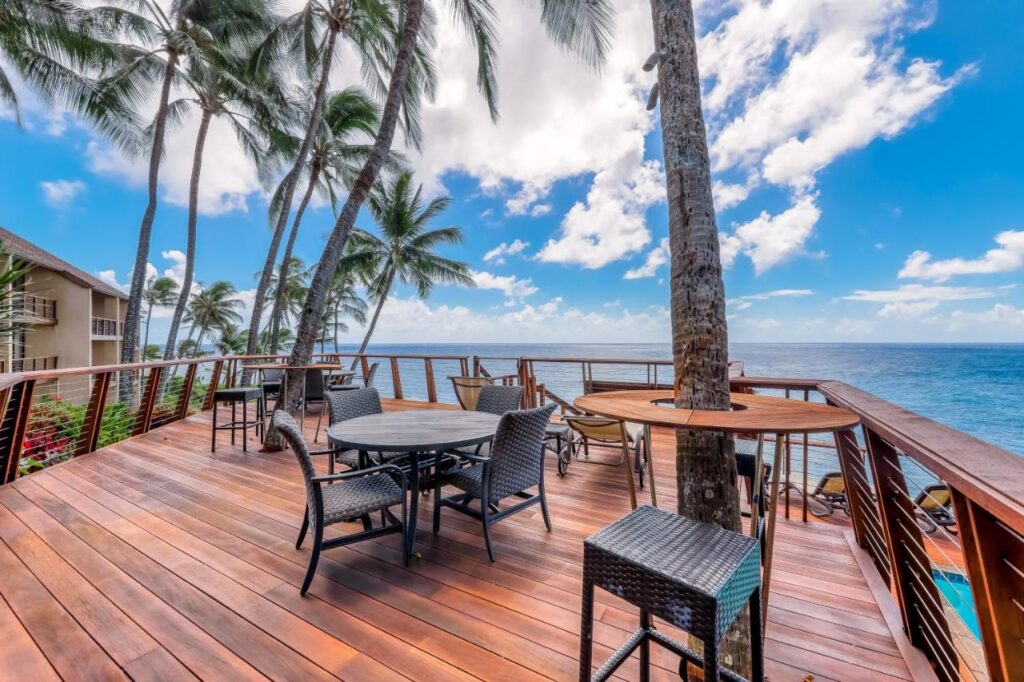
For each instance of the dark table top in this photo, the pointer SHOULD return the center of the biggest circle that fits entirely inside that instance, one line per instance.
(414, 431)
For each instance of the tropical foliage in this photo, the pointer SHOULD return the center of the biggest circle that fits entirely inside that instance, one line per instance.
(159, 291)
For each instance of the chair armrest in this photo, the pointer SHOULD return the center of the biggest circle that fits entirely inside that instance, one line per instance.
(329, 451)
(479, 459)
(361, 473)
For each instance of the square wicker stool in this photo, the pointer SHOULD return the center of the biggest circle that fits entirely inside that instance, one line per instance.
(690, 574)
(234, 396)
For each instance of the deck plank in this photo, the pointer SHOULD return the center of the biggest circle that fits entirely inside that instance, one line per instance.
(187, 560)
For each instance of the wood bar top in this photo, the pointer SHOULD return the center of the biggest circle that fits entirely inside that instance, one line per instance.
(750, 413)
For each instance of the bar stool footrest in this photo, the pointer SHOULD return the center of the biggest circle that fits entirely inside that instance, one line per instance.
(653, 634)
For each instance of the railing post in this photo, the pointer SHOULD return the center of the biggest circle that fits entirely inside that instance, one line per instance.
(918, 597)
(428, 367)
(94, 414)
(994, 554)
(364, 364)
(396, 378)
(16, 413)
(867, 527)
(214, 382)
(181, 409)
(149, 395)
(464, 366)
(476, 365)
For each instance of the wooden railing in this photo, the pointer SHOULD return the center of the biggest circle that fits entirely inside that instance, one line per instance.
(102, 326)
(56, 414)
(32, 308)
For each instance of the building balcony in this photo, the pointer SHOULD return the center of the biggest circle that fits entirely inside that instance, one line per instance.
(34, 364)
(32, 309)
(106, 329)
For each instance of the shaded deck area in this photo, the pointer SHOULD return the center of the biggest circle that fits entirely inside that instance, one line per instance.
(155, 558)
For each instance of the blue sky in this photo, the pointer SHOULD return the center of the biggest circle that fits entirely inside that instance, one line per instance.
(844, 139)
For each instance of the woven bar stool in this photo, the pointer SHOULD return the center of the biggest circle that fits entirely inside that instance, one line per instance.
(235, 396)
(693, 575)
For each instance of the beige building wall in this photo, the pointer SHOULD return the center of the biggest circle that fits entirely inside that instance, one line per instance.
(69, 339)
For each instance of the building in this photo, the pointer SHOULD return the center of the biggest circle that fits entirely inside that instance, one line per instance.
(67, 317)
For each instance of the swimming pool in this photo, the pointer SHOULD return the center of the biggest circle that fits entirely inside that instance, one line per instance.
(957, 592)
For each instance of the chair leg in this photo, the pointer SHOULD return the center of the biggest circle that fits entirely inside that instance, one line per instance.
(486, 521)
(587, 632)
(213, 444)
(302, 531)
(245, 426)
(234, 418)
(629, 475)
(319, 421)
(318, 537)
(437, 507)
(756, 638)
(645, 647)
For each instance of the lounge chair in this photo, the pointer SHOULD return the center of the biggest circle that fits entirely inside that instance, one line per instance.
(613, 434)
(467, 389)
(347, 497)
(830, 493)
(515, 464)
(934, 504)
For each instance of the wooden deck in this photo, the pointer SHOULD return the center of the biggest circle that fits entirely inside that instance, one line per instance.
(154, 558)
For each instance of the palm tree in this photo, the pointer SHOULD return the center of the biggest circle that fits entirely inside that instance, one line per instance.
(333, 159)
(167, 37)
(310, 37)
(405, 248)
(213, 308)
(220, 86)
(292, 294)
(705, 462)
(582, 26)
(342, 301)
(159, 291)
(231, 339)
(151, 352)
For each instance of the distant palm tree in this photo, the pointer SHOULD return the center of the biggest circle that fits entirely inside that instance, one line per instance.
(405, 248)
(167, 38)
(213, 308)
(231, 339)
(285, 339)
(293, 293)
(221, 86)
(151, 352)
(582, 26)
(334, 162)
(159, 291)
(343, 301)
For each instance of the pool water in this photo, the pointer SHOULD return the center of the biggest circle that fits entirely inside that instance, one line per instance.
(957, 592)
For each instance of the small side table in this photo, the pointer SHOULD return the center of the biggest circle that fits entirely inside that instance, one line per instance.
(234, 396)
(691, 574)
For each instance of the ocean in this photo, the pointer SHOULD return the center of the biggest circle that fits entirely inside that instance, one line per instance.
(976, 388)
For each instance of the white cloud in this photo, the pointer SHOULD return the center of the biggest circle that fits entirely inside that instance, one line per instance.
(656, 257)
(900, 309)
(498, 253)
(769, 240)
(727, 195)
(909, 293)
(514, 288)
(1001, 316)
(110, 277)
(1007, 258)
(60, 193)
(744, 302)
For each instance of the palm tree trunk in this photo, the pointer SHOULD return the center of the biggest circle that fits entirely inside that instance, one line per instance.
(145, 339)
(289, 192)
(130, 336)
(190, 247)
(282, 274)
(376, 316)
(199, 343)
(336, 328)
(316, 299)
(705, 461)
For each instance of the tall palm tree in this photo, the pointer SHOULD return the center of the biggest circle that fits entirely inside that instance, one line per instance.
(159, 291)
(213, 308)
(166, 37)
(220, 86)
(292, 293)
(404, 251)
(231, 339)
(582, 26)
(334, 162)
(342, 301)
(310, 37)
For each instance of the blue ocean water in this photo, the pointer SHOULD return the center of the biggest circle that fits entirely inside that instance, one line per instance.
(976, 388)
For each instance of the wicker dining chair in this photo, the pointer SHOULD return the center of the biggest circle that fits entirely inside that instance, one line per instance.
(515, 464)
(496, 400)
(345, 405)
(613, 434)
(345, 498)
(467, 389)
(371, 374)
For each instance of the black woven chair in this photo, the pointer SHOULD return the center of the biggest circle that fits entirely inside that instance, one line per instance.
(347, 385)
(499, 400)
(693, 575)
(515, 464)
(347, 497)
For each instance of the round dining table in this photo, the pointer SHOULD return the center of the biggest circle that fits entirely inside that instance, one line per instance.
(750, 414)
(419, 433)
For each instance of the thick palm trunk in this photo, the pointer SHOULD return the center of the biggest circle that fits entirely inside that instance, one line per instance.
(316, 300)
(130, 335)
(282, 275)
(705, 461)
(376, 316)
(289, 193)
(190, 246)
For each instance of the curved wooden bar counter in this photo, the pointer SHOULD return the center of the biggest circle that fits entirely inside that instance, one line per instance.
(751, 414)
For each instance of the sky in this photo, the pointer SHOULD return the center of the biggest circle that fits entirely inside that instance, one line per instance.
(866, 159)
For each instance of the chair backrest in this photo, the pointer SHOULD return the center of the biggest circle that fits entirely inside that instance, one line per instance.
(286, 426)
(467, 389)
(499, 399)
(600, 429)
(368, 379)
(359, 402)
(517, 451)
(831, 483)
(273, 374)
(314, 384)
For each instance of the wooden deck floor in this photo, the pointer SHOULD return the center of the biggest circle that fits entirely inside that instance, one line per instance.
(154, 558)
